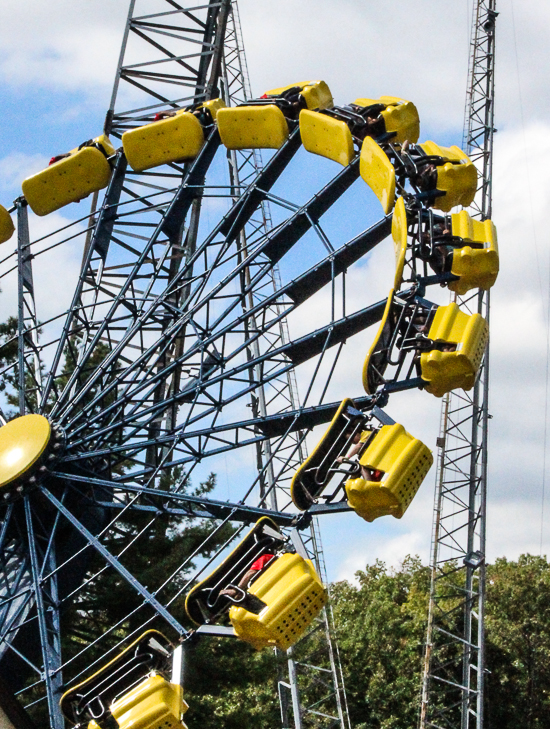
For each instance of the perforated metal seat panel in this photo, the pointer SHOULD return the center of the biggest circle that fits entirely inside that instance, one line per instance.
(152, 704)
(252, 127)
(175, 139)
(378, 172)
(7, 227)
(294, 596)
(328, 137)
(477, 267)
(404, 460)
(446, 371)
(70, 180)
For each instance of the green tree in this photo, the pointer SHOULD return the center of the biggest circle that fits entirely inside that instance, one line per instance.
(381, 629)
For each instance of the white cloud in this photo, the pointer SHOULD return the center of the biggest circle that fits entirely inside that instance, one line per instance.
(15, 167)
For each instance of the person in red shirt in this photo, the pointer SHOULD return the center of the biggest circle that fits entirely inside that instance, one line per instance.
(257, 566)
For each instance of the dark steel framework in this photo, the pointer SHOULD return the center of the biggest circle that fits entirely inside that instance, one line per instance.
(454, 670)
(173, 352)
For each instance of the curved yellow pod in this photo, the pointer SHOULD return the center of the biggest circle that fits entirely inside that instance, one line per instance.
(399, 235)
(22, 442)
(373, 369)
(7, 227)
(457, 177)
(294, 596)
(316, 94)
(404, 461)
(328, 137)
(152, 704)
(69, 180)
(176, 139)
(400, 116)
(252, 127)
(446, 371)
(477, 267)
(378, 172)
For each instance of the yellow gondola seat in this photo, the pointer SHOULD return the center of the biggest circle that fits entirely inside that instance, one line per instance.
(447, 370)
(315, 472)
(252, 127)
(477, 267)
(378, 172)
(404, 462)
(328, 137)
(6, 225)
(316, 94)
(376, 360)
(153, 704)
(71, 179)
(175, 139)
(457, 177)
(294, 596)
(399, 229)
(400, 117)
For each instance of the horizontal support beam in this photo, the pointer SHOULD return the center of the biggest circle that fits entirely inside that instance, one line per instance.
(199, 506)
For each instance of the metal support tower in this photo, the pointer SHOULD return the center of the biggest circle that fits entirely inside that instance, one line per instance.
(314, 687)
(454, 667)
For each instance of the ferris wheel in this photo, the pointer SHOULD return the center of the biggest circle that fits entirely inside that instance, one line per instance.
(174, 354)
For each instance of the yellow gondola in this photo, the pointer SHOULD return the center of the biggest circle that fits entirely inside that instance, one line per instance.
(7, 227)
(400, 463)
(476, 266)
(400, 117)
(464, 337)
(178, 138)
(72, 178)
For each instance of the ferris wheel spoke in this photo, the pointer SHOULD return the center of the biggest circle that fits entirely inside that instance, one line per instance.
(174, 217)
(274, 248)
(170, 502)
(274, 364)
(47, 613)
(232, 223)
(94, 542)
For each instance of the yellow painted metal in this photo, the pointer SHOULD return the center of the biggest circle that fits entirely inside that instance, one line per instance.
(213, 106)
(404, 461)
(328, 137)
(457, 177)
(399, 235)
(22, 441)
(316, 94)
(477, 267)
(6, 225)
(301, 501)
(378, 172)
(446, 371)
(176, 139)
(73, 692)
(384, 331)
(400, 116)
(252, 127)
(152, 704)
(294, 596)
(71, 179)
(214, 579)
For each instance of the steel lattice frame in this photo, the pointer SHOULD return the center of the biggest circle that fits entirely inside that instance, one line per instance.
(173, 326)
(453, 684)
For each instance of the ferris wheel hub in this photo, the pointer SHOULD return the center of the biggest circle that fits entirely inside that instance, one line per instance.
(23, 443)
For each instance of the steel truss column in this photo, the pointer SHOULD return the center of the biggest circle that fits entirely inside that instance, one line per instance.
(314, 671)
(454, 666)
